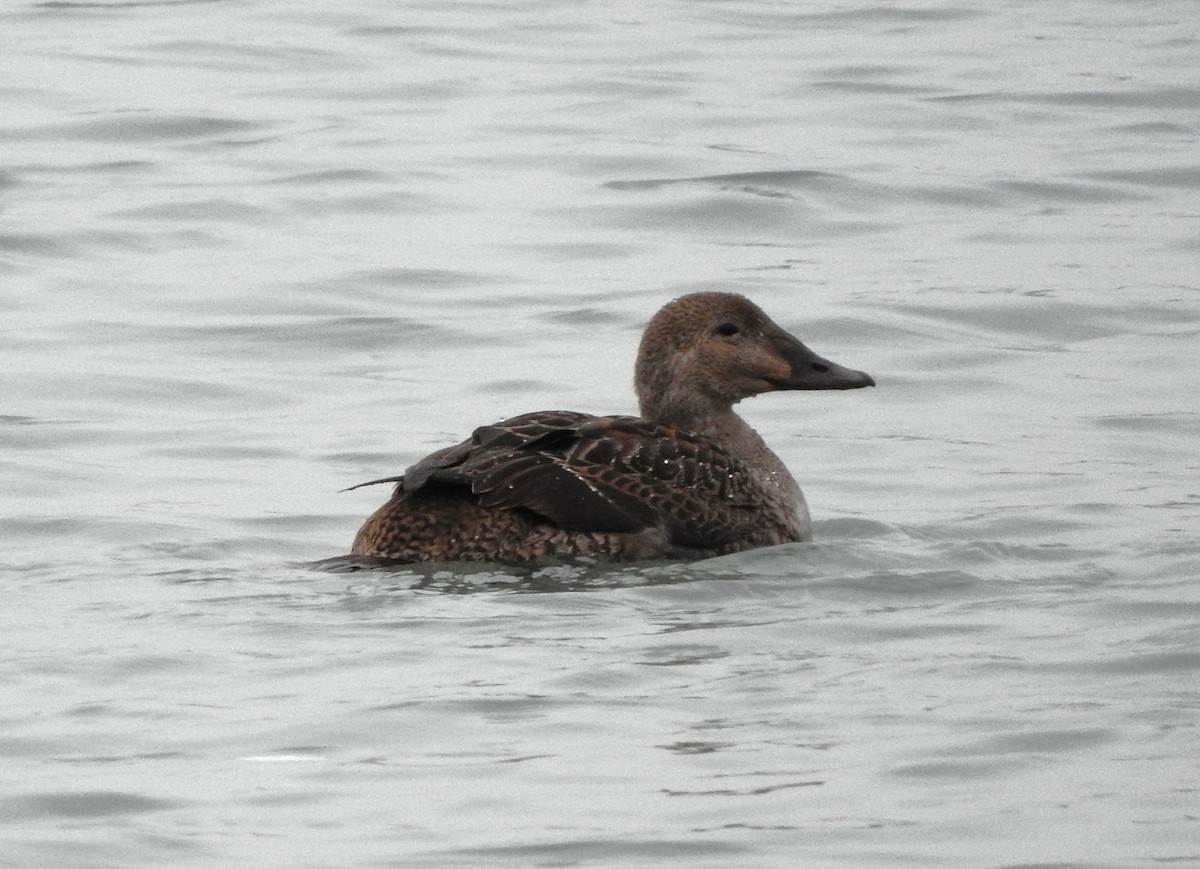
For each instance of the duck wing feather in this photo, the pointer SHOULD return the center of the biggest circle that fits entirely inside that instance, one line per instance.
(601, 474)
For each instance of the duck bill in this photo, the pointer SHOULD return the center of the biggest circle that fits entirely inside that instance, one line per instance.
(810, 371)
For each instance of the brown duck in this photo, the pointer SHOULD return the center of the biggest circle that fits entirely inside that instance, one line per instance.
(687, 479)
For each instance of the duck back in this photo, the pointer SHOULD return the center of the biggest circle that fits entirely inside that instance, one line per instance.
(558, 484)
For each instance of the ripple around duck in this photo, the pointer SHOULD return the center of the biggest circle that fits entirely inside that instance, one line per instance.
(252, 337)
(831, 569)
(1148, 98)
(583, 851)
(1155, 129)
(781, 179)
(515, 386)
(1142, 98)
(328, 333)
(874, 88)
(424, 278)
(69, 5)
(214, 209)
(326, 177)
(735, 217)
(1050, 321)
(1149, 663)
(1062, 191)
(80, 805)
(1036, 742)
(1180, 422)
(783, 184)
(1180, 177)
(788, 20)
(37, 244)
(136, 127)
(851, 558)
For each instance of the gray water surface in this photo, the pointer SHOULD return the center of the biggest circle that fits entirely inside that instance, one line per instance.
(253, 253)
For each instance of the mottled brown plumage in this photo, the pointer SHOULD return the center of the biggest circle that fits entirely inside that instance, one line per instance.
(688, 479)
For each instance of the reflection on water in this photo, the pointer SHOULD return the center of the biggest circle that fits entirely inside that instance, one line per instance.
(251, 255)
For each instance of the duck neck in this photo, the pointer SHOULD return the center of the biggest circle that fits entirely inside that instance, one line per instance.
(724, 427)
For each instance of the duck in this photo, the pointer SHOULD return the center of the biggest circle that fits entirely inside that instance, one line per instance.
(685, 479)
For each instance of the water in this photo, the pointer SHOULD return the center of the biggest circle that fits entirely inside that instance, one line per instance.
(253, 253)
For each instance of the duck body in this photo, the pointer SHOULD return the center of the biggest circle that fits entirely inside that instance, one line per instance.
(557, 484)
(687, 479)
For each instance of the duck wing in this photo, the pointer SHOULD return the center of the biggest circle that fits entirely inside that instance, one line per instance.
(600, 474)
(512, 433)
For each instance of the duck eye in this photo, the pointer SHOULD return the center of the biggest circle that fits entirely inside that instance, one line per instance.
(728, 329)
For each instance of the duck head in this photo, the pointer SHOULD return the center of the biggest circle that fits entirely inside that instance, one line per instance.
(704, 352)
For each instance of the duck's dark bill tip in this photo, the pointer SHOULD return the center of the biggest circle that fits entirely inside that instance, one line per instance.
(810, 371)
(864, 379)
(827, 375)
(851, 380)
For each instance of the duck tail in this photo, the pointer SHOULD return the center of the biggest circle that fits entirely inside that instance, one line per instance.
(399, 479)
